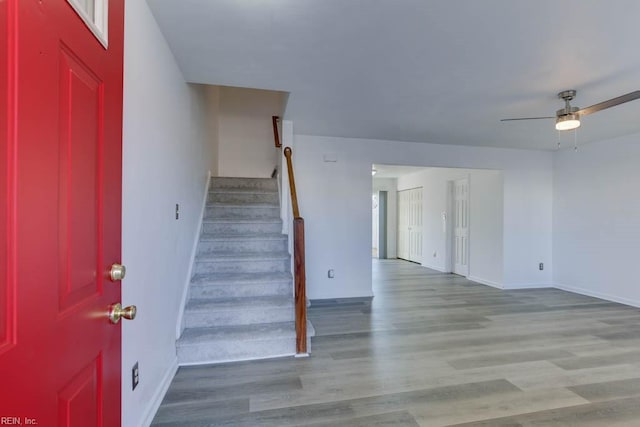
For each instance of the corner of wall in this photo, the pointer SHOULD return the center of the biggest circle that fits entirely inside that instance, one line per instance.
(486, 282)
(158, 396)
(213, 116)
(194, 250)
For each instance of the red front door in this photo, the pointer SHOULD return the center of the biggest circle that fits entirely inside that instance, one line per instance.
(60, 210)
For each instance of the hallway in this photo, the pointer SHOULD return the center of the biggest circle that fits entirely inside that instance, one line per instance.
(433, 349)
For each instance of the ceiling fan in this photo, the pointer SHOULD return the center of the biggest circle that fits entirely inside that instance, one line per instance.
(568, 118)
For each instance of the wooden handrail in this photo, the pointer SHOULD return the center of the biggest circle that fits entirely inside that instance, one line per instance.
(276, 134)
(292, 184)
(298, 262)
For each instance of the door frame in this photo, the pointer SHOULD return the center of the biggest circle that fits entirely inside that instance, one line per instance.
(450, 225)
(382, 225)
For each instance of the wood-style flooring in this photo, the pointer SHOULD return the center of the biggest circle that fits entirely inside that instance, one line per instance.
(433, 349)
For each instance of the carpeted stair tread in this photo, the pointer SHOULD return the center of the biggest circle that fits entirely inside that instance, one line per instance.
(224, 285)
(205, 237)
(240, 278)
(247, 256)
(244, 220)
(256, 332)
(254, 303)
(250, 183)
(247, 205)
(235, 213)
(240, 190)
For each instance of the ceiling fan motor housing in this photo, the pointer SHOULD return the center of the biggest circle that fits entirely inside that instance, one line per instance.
(564, 111)
(567, 95)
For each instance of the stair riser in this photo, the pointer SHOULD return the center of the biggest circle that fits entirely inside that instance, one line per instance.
(244, 183)
(244, 198)
(226, 351)
(239, 246)
(200, 319)
(242, 227)
(241, 290)
(239, 212)
(233, 266)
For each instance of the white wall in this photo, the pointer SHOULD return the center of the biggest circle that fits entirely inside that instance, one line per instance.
(522, 218)
(486, 238)
(166, 156)
(335, 199)
(389, 185)
(596, 219)
(213, 121)
(486, 225)
(245, 131)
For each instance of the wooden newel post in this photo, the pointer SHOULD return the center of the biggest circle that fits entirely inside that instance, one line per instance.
(298, 262)
(300, 286)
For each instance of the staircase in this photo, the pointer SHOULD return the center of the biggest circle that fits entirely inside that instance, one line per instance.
(241, 293)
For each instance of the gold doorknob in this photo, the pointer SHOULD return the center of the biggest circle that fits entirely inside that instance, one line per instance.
(116, 312)
(118, 271)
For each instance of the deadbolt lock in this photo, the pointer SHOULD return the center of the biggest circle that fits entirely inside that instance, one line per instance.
(118, 271)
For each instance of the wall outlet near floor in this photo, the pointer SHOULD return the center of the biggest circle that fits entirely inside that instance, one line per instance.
(177, 211)
(331, 274)
(135, 376)
(435, 254)
(541, 266)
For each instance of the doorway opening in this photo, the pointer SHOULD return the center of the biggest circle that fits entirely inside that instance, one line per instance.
(446, 219)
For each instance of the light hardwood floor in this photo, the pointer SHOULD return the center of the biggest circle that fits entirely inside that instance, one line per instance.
(433, 350)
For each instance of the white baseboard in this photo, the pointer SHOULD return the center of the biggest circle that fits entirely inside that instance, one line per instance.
(601, 295)
(527, 286)
(337, 301)
(162, 389)
(433, 267)
(194, 250)
(486, 282)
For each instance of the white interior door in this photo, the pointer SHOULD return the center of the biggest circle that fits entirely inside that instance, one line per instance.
(461, 227)
(410, 224)
(403, 224)
(374, 225)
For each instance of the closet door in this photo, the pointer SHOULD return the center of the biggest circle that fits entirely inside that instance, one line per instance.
(410, 224)
(461, 227)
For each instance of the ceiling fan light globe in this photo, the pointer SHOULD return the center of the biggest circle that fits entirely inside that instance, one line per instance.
(568, 122)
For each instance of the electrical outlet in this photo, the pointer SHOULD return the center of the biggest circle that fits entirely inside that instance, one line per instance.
(177, 211)
(541, 266)
(135, 376)
(330, 274)
(435, 254)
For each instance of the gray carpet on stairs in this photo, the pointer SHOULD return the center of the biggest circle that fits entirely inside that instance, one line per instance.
(241, 294)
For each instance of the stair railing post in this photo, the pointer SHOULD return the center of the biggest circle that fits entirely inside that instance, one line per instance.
(298, 263)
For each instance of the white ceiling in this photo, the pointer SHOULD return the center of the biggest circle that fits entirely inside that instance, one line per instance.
(441, 71)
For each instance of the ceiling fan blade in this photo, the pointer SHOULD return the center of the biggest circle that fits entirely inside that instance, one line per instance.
(610, 103)
(528, 118)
